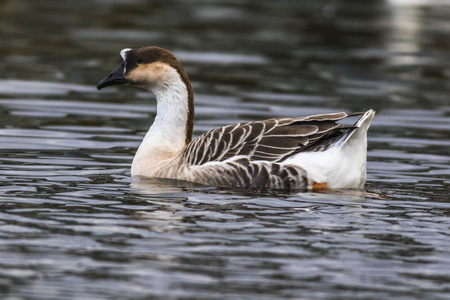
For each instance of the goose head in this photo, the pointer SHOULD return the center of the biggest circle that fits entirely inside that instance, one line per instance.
(159, 72)
(150, 68)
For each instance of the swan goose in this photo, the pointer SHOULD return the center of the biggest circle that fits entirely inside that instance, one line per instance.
(280, 153)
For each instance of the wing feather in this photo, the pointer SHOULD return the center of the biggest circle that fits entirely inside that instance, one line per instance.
(272, 140)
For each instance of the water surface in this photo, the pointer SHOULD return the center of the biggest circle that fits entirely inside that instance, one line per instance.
(74, 226)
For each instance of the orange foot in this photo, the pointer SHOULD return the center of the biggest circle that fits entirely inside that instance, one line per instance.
(319, 186)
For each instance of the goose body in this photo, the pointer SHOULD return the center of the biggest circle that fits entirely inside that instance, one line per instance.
(278, 153)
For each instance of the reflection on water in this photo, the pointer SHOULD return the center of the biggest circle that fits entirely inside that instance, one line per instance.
(74, 225)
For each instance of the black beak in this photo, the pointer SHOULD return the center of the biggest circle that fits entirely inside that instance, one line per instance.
(115, 77)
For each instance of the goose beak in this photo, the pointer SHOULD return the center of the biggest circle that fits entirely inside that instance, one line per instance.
(115, 77)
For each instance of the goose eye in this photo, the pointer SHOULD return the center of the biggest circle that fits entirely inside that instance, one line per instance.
(139, 60)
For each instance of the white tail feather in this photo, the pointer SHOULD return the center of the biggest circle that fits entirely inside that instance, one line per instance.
(341, 166)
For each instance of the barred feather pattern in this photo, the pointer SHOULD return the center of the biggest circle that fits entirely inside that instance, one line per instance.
(241, 172)
(251, 154)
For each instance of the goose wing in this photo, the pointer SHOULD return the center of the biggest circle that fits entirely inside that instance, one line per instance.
(272, 140)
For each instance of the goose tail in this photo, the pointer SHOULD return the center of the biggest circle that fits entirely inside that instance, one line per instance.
(361, 127)
(341, 166)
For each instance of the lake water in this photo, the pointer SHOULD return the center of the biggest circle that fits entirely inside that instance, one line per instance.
(74, 226)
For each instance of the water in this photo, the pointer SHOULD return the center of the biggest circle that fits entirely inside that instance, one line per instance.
(74, 226)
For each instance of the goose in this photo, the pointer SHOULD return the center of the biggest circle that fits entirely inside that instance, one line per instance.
(310, 152)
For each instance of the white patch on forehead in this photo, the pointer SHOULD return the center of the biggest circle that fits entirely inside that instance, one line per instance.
(123, 54)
